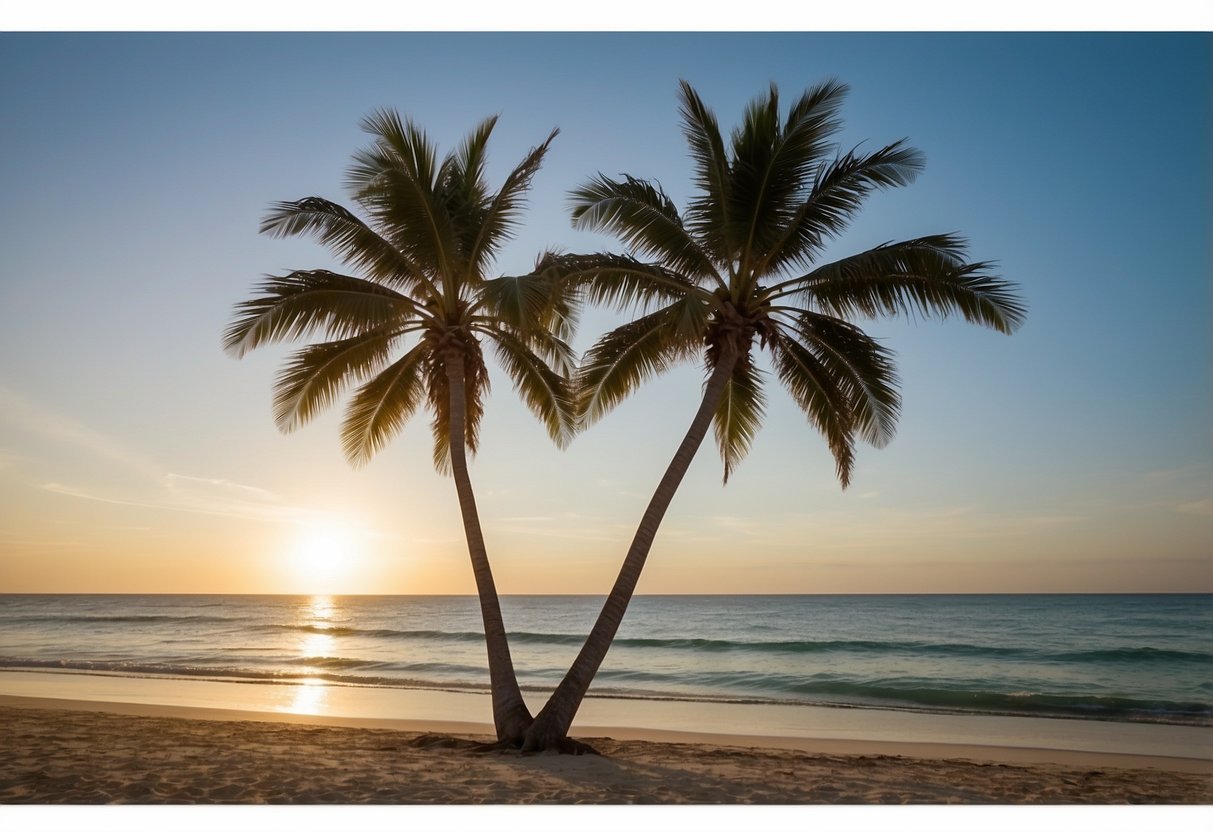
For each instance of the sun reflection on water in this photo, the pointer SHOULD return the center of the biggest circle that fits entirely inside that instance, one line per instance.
(318, 644)
(321, 608)
(311, 695)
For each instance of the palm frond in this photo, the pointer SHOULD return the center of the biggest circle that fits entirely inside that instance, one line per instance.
(502, 214)
(707, 215)
(546, 393)
(817, 392)
(925, 276)
(381, 406)
(752, 140)
(399, 143)
(753, 188)
(461, 190)
(618, 280)
(313, 377)
(644, 218)
(469, 160)
(861, 368)
(628, 355)
(773, 164)
(526, 301)
(813, 121)
(537, 308)
(553, 349)
(396, 181)
(739, 415)
(837, 195)
(302, 302)
(354, 241)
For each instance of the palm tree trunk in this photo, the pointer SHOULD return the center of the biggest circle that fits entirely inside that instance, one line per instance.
(511, 717)
(552, 725)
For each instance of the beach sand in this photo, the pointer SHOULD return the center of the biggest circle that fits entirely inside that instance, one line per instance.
(73, 752)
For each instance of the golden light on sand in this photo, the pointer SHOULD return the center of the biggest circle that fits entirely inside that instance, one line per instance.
(308, 698)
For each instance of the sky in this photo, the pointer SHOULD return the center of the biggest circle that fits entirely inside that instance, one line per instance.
(136, 456)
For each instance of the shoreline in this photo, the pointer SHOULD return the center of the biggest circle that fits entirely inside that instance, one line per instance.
(65, 669)
(809, 728)
(484, 731)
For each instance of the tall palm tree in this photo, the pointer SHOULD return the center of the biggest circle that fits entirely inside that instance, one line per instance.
(740, 273)
(409, 331)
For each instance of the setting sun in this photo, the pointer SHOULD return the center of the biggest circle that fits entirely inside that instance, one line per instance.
(324, 554)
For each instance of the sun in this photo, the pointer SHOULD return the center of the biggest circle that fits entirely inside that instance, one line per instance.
(324, 554)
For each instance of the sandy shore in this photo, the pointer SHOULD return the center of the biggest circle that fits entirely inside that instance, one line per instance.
(86, 753)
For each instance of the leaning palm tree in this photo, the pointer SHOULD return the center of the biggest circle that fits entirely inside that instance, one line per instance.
(741, 274)
(409, 331)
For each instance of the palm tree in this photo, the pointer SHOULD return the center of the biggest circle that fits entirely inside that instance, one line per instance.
(409, 331)
(741, 272)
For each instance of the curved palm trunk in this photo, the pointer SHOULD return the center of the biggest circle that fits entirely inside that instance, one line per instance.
(510, 715)
(552, 725)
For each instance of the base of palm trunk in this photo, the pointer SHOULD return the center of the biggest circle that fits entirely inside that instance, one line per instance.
(560, 745)
(548, 733)
(512, 726)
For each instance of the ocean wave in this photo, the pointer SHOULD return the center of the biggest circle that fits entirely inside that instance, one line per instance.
(1135, 655)
(797, 647)
(1027, 703)
(337, 663)
(142, 618)
(268, 676)
(696, 644)
(705, 687)
(702, 645)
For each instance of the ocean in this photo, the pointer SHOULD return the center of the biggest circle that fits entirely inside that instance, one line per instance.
(1125, 658)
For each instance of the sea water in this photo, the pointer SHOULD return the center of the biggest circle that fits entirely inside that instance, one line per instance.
(1128, 658)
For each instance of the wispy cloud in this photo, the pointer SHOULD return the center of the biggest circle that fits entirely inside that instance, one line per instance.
(1164, 475)
(1202, 508)
(45, 421)
(746, 526)
(40, 542)
(563, 526)
(872, 528)
(158, 487)
(1050, 520)
(877, 527)
(227, 500)
(72, 491)
(231, 499)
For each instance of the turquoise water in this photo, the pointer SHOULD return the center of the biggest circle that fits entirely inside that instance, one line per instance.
(1145, 658)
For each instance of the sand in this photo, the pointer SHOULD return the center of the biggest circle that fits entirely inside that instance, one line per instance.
(64, 752)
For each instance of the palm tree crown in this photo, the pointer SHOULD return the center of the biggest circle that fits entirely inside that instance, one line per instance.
(434, 228)
(740, 269)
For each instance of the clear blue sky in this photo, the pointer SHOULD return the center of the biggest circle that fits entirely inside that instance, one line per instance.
(1075, 455)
